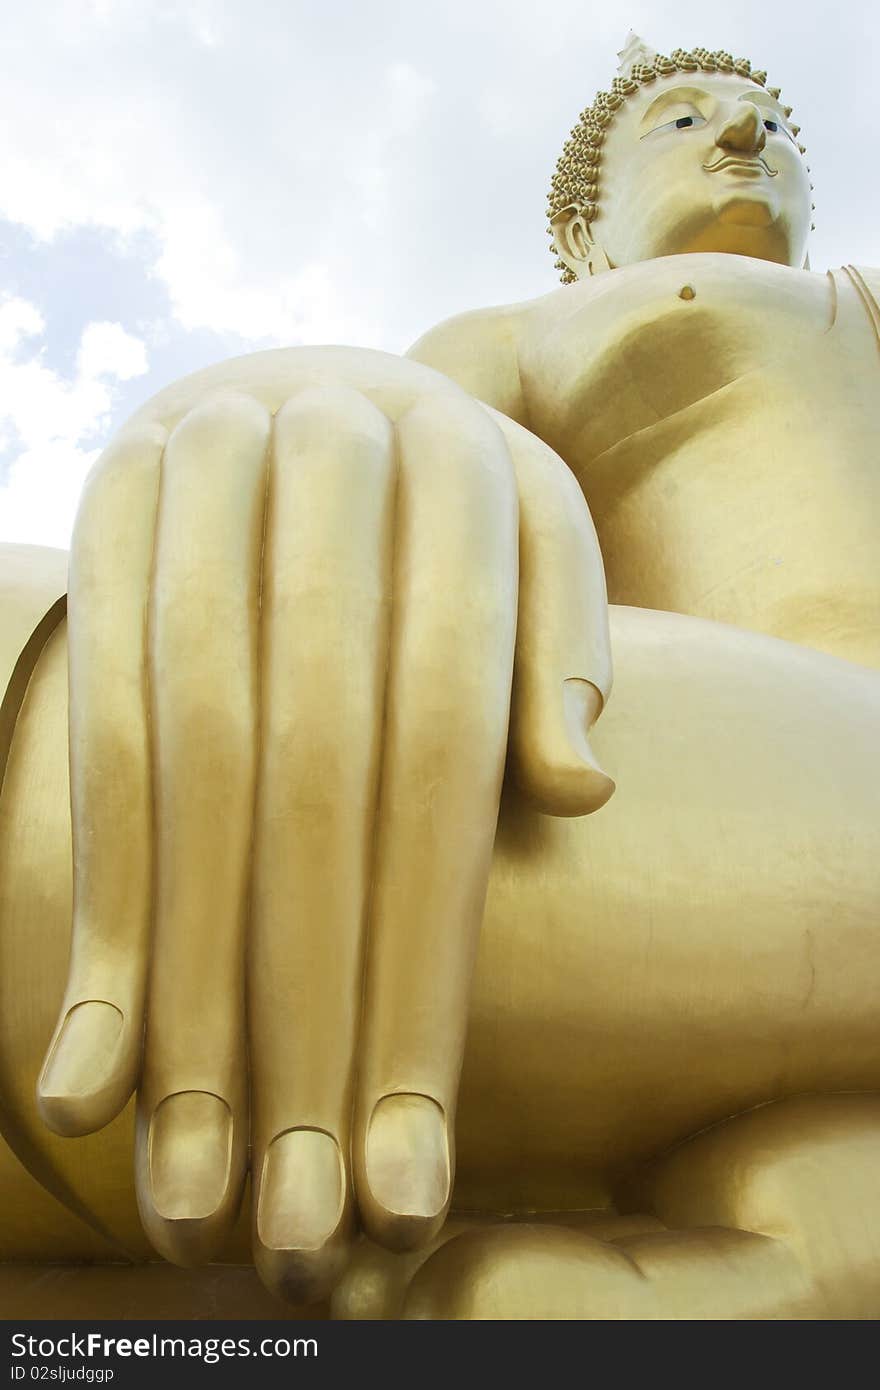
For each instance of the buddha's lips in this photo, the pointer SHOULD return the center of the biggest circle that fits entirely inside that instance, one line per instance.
(732, 161)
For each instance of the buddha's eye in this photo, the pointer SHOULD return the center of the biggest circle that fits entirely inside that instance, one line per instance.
(772, 125)
(688, 122)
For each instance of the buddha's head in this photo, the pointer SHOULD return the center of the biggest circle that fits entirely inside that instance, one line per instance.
(687, 153)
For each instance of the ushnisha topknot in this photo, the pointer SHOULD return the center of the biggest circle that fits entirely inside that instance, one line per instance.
(576, 180)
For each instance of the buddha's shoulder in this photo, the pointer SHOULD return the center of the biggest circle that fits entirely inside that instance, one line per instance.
(479, 349)
(487, 350)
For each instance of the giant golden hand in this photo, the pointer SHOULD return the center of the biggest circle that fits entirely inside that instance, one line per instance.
(302, 589)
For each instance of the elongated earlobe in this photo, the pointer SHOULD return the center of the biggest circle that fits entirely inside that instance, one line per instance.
(597, 260)
(580, 254)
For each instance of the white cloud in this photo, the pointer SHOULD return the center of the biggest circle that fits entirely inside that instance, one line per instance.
(38, 502)
(48, 422)
(244, 168)
(106, 349)
(211, 285)
(408, 93)
(19, 320)
(276, 172)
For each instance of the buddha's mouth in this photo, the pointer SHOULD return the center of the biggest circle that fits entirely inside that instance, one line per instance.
(746, 165)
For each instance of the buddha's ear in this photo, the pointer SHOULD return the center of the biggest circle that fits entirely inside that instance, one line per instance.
(575, 243)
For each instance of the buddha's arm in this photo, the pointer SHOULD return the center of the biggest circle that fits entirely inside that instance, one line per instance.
(479, 351)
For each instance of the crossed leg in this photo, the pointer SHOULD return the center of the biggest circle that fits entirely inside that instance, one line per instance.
(771, 1215)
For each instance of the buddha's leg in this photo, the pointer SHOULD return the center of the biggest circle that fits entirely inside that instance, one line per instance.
(775, 1214)
(705, 943)
(709, 941)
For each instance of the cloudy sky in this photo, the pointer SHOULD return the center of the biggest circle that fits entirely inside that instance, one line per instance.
(186, 180)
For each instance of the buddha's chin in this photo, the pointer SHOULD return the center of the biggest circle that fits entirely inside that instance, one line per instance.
(745, 209)
(744, 225)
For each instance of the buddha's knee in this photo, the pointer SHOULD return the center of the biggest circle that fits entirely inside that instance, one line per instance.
(802, 1171)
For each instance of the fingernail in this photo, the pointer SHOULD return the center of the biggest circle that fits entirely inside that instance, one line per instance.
(302, 1189)
(407, 1156)
(84, 1051)
(190, 1150)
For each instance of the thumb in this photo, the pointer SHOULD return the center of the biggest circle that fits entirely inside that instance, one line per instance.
(562, 665)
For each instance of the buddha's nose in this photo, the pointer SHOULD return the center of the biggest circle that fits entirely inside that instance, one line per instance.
(743, 130)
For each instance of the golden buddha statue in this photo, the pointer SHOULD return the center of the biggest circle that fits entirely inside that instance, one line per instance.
(353, 913)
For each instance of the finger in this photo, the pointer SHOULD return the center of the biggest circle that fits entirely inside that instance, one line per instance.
(192, 1122)
(453, 622)
(562, 672)
(93, 1061)
(331, 497)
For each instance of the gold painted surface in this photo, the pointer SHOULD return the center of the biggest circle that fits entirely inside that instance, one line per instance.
(321, 602)
(142, 1292)
(35, 887)
(34, 578)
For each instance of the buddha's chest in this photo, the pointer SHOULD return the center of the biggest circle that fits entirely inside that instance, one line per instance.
(653, 340)
(727, 443)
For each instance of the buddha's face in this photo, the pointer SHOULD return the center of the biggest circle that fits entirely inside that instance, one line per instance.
(702, 162)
